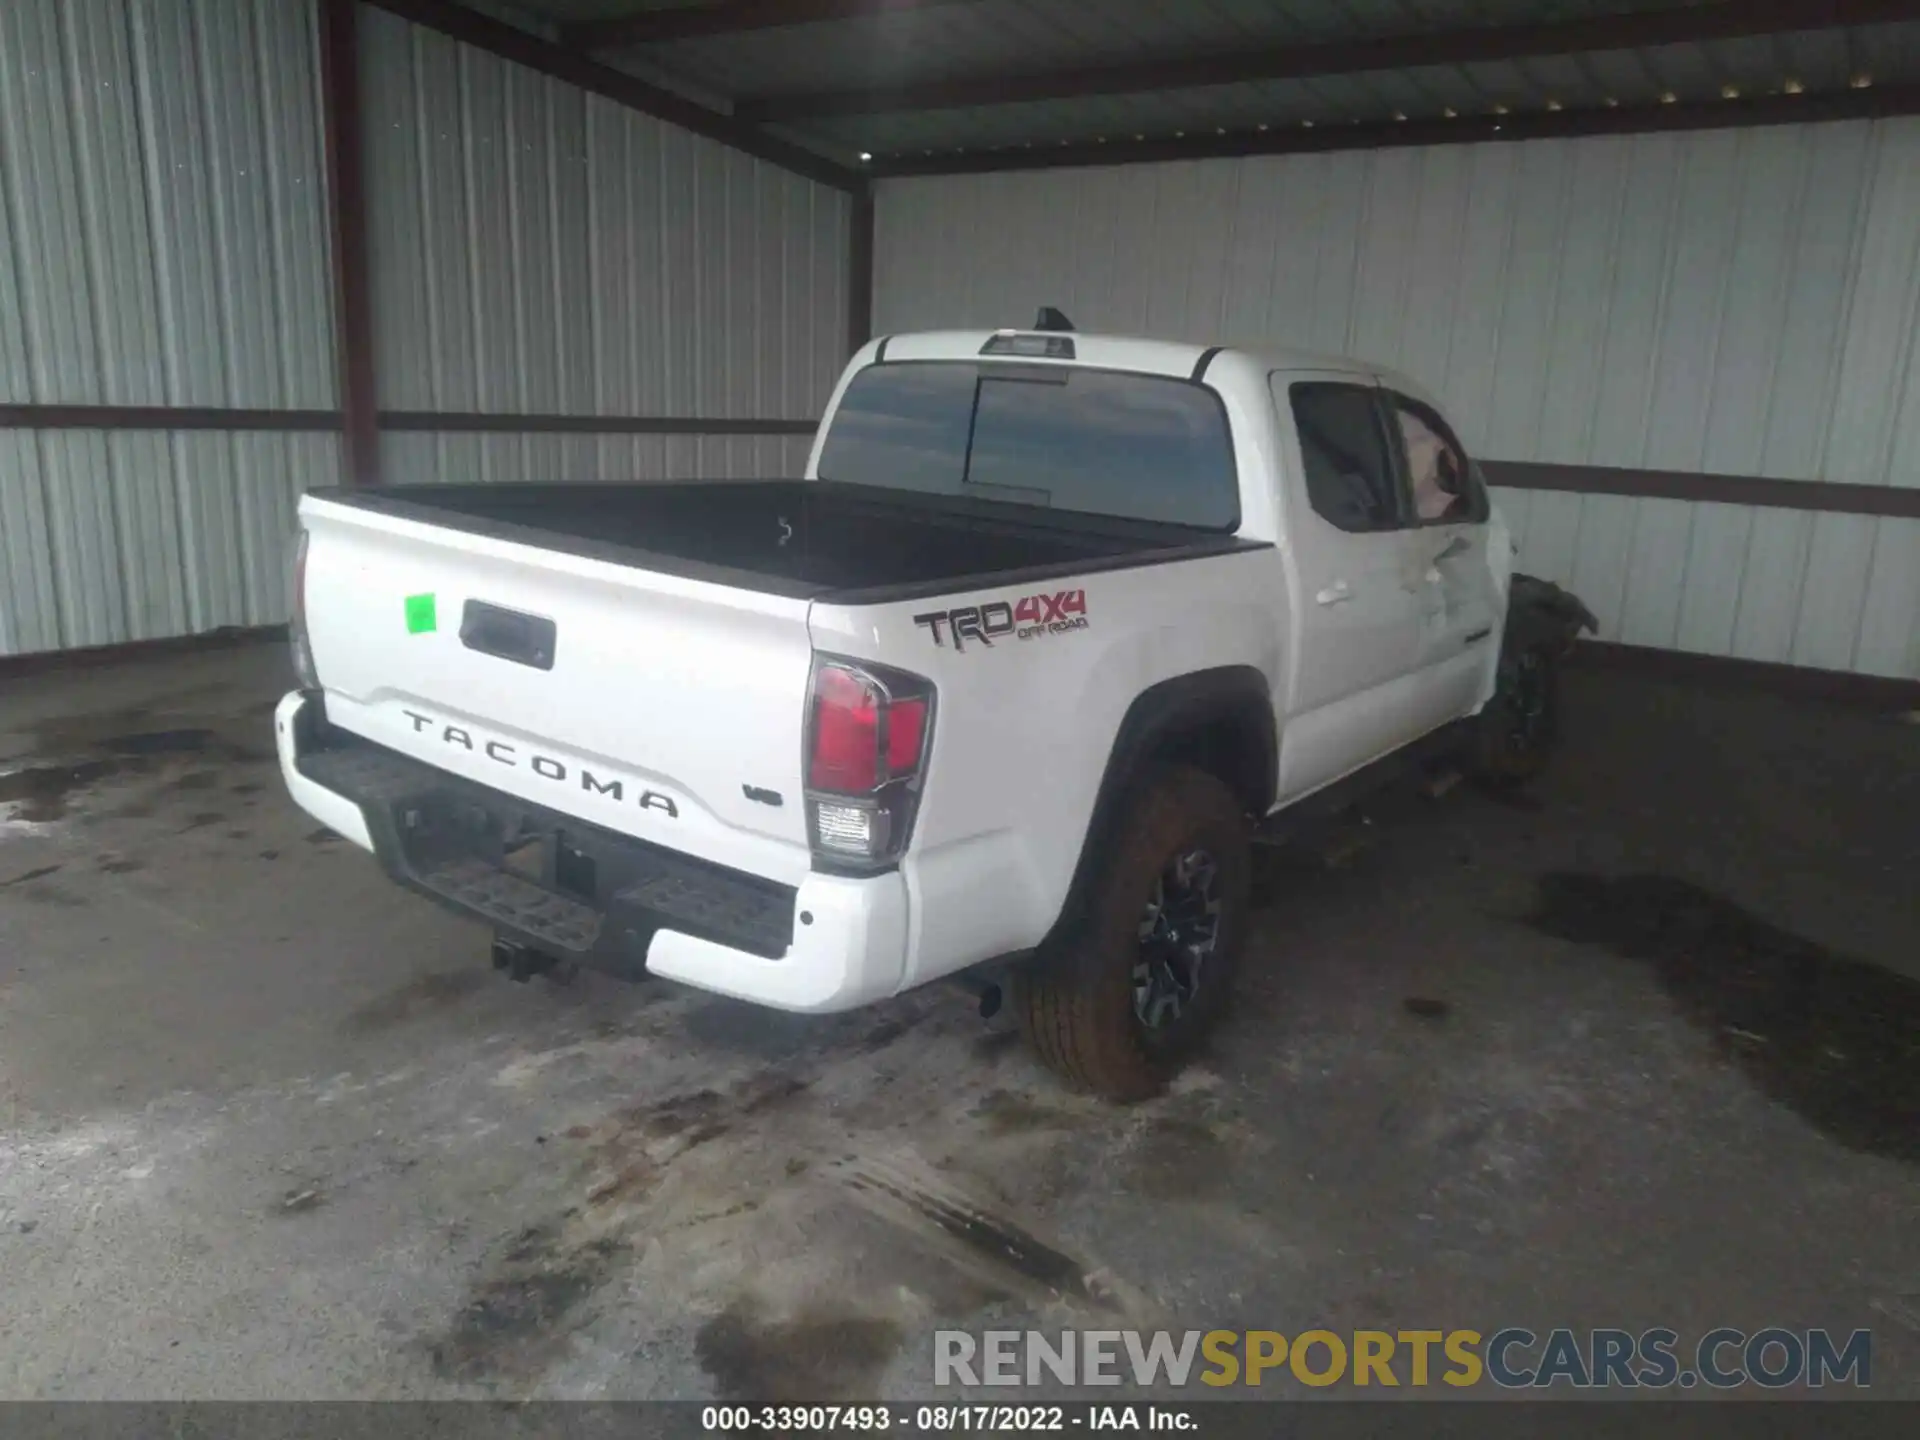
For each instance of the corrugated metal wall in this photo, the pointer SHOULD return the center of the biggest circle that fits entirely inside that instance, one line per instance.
(540, 250)
(162, 242)
(1742, 302)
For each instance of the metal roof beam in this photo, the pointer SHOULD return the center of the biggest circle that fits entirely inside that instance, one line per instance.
(1873, 103)
(1713, 20)
(509, 43)
(728, 17)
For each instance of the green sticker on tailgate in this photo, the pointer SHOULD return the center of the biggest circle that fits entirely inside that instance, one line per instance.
(421, 619)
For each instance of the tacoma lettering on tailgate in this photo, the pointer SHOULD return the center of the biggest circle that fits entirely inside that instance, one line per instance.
(545, 766)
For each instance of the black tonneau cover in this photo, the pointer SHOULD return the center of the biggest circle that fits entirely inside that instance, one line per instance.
(815, 539)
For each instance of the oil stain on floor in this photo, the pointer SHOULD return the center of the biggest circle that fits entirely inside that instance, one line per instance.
(42, 792)
(818, 1352)
(1833, 1037)
(521, 1318)
(999, 1252)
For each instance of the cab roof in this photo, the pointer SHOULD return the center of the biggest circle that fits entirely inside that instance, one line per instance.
(1115, 352)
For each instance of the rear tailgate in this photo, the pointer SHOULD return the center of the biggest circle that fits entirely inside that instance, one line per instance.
(659, 706)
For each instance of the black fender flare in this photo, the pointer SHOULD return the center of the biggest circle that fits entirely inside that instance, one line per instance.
(1237, 695)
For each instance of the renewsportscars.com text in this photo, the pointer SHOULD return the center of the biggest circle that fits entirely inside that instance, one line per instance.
(1511, 1358)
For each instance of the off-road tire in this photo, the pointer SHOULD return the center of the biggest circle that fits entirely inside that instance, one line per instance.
(1494, 758)
(1076, 1003)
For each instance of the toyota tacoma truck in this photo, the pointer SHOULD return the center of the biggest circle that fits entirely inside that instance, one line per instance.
(1054, 625)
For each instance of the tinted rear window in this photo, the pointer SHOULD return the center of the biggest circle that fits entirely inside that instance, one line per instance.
(1099, 441)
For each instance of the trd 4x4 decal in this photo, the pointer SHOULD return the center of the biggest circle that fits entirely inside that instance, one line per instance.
(1025, 619)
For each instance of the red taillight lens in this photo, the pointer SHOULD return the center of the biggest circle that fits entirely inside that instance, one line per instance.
(847, 710)
(868, 730)
(846, 733)
(906, 734)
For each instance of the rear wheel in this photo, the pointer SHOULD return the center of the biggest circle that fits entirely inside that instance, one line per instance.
(1125, 1001)
(1515, 734)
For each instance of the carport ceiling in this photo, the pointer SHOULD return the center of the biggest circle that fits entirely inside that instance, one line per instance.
(943, 85)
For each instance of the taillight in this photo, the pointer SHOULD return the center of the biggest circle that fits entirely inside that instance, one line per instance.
(868, 730)
(303, 670)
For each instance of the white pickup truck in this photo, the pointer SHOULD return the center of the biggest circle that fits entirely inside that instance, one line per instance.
(1053, 626)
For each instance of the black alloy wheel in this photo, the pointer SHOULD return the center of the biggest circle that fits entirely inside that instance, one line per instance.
(1179, 933)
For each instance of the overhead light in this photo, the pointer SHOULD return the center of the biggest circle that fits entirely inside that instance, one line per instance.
(1306, 124)
(1499, 109)
(1612, 102)
(865, 155)
(1861, 81)
(1667, 97)
(1793, 87)
(1729, 92)
(1451, 113)
(1553, 104)
(1179, 134)
(1099, 139)
(1220, 130)
(1399, 114)
(1261, 126)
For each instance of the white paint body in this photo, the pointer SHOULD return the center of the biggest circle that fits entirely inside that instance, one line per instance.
(691, 688)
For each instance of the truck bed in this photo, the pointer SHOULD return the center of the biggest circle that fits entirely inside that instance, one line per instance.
(808, 539)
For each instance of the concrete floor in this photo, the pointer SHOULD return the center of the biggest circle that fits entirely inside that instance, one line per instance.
(270, 1127)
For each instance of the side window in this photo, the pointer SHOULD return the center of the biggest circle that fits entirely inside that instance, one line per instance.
(1446, 489)
(1349, 470)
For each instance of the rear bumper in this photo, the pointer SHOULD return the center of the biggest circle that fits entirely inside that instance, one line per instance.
(585, 893)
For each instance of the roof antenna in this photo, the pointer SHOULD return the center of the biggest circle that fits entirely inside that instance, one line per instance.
(1052, 319)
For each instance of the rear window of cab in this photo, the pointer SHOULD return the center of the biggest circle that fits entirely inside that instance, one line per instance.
(1100, 442)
